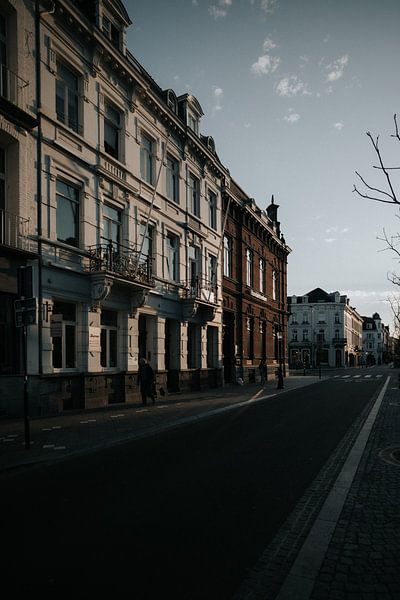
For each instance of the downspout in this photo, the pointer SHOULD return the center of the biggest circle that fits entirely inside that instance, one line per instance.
(38, 15)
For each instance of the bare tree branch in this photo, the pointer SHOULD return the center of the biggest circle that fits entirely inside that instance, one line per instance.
(392, 193)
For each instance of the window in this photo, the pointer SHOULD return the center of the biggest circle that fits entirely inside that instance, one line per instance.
(112, 225)
(112, 32)
(64, 342)
(108, 338)
(3, 57)
(249, 267)
(194, 255)
(172, 257)
(67, 97)
(250, 337)
(212, 269)
(193, 123)
(305, 317)
(194, 195)
(212, 209)
(294, 335)
(321, 317)
(148, 243)
(147, 161)
(227, 256)
(2, 179)
(273, 284)
(305, 335)
(337, 318)
(67, 213)
(262, 275)
(172, 173)
(112, 131)
(193, 346)
(337, 334)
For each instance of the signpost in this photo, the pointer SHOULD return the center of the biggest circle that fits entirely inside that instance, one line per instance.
(25, 315)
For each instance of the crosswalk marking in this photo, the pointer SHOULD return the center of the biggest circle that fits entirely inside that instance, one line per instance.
(357, 376)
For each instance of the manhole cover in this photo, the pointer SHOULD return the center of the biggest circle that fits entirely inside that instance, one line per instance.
(391, 455)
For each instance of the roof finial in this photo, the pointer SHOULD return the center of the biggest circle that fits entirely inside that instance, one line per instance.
(272, 199)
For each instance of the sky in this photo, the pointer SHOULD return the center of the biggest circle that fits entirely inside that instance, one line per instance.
(289, 89)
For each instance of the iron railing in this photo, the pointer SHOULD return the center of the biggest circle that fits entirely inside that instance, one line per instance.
(13, 87)
(120, 261)
(14, 231)
(200, 288)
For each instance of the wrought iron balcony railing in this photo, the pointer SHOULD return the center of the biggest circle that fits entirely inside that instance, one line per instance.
(339, 340)
(14, 231)
(14, 99)
(200, 288)
(120, 261)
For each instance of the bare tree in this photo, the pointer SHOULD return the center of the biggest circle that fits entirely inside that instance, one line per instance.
(388, 195)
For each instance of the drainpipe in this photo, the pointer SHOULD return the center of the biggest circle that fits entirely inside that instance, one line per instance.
(38, 14)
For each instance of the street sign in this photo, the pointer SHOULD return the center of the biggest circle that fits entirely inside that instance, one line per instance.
(25, 312)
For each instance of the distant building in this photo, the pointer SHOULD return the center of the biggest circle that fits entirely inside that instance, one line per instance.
(323, 329)
(376, 344)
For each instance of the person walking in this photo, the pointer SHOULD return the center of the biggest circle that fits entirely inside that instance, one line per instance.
(146, 381)
(262, 367)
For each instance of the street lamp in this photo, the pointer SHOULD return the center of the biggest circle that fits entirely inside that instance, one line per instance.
(279, 335)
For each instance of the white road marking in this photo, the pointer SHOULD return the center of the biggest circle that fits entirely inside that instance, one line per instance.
(83, 422)
(116, 416)
(180, 404)
(48, 446)
(336, 376)
(345, 376)
(9, 440)
(142, 410)
(92, 420)
(59, 447)
(47, 429)
(357, 376)
(162, 406)
(367, 376)
(56, 427)
(379, 376)
(12, 435)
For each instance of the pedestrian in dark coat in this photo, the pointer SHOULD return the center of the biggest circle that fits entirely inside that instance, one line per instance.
(263, 370)
(146, 381)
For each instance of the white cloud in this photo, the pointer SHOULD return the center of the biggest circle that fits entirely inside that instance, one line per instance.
(220, 10)
(327, 38)
(218, 96)
(339, 126)
(265, 64)
(330, 240)
(268, 6)
(345, 230)
(291, 86)
(195, 2)
(216, 12)
(331, 230)
(269, 45)
(336, 229)
(335, 70)
(291, 117)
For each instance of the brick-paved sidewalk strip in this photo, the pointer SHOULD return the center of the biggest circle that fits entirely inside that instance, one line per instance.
(363, 557)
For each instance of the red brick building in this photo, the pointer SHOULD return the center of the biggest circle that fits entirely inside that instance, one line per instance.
(254, 262)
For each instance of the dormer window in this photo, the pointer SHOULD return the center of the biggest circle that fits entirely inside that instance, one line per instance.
(193, 123)
(112, 32)
(172, 102)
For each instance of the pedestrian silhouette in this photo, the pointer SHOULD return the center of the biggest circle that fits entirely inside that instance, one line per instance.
(146, 381)
(262, 367)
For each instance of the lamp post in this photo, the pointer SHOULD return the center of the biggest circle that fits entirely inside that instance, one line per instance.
(280, 370)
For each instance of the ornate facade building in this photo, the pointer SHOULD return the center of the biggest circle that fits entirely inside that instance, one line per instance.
(324, 330)
(254, 288)
(123, 196)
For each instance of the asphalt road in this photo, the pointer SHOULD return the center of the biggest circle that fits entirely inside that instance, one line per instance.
(185, 514)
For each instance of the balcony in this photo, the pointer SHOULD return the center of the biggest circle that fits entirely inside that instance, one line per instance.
(14, 99)
(121, 262)
(200, 294)
(339, 341)
(14, 232)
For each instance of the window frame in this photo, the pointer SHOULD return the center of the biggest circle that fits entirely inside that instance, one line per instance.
(117, 127)
(172, 178)
(262, 271)
(75, 202)
(175, 265)
(68, 92)
(147, 158)
(106, 330)
(63, 350)
(249, 267)
(193, 195)
(212, 209)
(228, 255)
